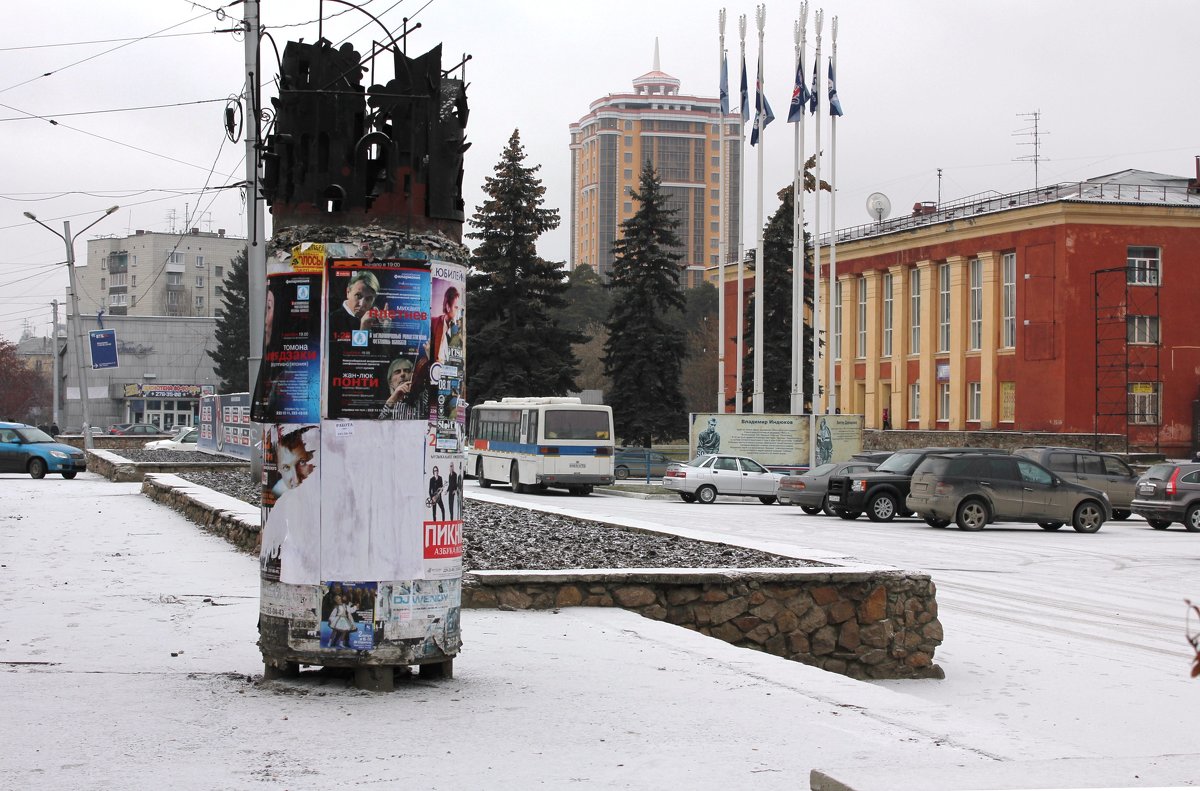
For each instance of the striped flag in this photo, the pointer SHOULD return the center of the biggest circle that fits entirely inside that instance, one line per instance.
(761, 105)
(799, 96)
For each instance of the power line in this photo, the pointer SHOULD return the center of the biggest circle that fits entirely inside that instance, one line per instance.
(47, 116)
(102, 41)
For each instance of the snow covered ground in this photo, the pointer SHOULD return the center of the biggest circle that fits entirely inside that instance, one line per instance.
(129, 661)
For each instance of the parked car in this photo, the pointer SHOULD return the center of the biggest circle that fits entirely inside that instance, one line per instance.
(632, 463)
(28, 449)
(184, 439)
(882, 491)
(808, 490)
(705, 477)
(125, 429)
(1103, 471)
(1170, 493)
(873, 456)
(976, 489)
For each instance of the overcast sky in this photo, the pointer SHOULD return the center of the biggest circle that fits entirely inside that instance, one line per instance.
(925, 84)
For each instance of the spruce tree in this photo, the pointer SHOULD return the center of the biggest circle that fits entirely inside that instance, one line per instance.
(515, 347)
(233, 329)
(645, 349)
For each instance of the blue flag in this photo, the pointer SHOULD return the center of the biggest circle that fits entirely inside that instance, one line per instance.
(813, 100)
(724, 86)
(761, 106)
(799, 96)
(835, 104)
(745, 93)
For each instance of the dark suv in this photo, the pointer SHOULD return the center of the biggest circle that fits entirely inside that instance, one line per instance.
(977, 489)
(1170, 493)
(881, 493)
(1102, 471)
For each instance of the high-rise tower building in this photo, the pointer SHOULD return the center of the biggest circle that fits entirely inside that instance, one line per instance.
(680, 135)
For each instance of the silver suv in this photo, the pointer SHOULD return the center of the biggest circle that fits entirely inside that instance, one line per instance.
(1102, 471)
(975, 490)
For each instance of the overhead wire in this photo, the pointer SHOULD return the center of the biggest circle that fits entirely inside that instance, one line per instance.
(49, 116)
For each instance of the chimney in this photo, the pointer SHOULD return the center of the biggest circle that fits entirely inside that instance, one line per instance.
(139, 232)
(195, 232)
(221, 232)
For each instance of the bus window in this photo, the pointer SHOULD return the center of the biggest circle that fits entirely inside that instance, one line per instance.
(577, 424)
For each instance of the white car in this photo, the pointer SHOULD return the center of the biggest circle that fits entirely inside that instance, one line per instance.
(704, 477)
(184, 439)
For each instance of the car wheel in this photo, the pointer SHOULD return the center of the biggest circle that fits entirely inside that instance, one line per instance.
(1088, 517)
(687, 498)
(1120, 514)
(849, 516)
(1159, 524)
(1050, 525)
(622, 473)
(69, 475)
(514, 478)
(811, 510)
(971, 514)
(1191, 520)
(37, 468)
(767, 499)
(881, 508)
(827, 509)
(706, 494)
(933, 521)
(484, 482)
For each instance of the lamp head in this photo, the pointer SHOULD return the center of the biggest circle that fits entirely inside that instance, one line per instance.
(110, 210)
(29, 214)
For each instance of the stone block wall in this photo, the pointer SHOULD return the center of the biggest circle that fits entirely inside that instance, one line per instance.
(237, 527)
(874, 439)
(118, 468)
(867, 624)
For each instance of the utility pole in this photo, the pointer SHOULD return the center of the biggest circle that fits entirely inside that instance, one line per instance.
(256, 250)
(69, 240)
(54, 366)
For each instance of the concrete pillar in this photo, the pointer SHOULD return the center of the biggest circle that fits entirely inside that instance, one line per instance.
(959, 338)
(927, 272)
(900, 345)
(846, 402)
(989, 387)
(872, 409)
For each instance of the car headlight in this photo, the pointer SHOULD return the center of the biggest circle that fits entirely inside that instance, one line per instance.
(58, 454)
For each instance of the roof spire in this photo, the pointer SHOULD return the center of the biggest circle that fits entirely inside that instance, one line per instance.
(656, 66)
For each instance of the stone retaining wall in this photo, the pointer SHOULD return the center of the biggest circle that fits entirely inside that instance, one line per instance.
(862, 623)
(118, 468)
(875, 439)
(238, 525)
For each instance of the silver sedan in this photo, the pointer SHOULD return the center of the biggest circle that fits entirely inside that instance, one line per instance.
(704, 477)
(808, 490)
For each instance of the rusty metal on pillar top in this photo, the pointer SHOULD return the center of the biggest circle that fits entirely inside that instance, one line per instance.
(389, 155)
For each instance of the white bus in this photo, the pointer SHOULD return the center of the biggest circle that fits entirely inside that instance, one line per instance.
(541, 442)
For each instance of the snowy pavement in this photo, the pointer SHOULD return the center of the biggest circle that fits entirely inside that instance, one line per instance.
(129, 662)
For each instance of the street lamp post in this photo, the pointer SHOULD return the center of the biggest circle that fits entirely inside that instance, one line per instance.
(69, 241)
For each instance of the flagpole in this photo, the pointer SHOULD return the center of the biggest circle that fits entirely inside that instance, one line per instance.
(797, 404)
(833, 399)
(741, 266)
(760, 263)
(816, 361)
(723, 242)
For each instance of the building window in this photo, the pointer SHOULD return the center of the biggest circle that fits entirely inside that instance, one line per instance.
(174, 279)
(133, 260)
(102, 286)
(199, 303)
(944, 308)
(974, 400)
(628, 140)
(887, 314)
(104, 264)
(118, 279)
(1140, 329)
(175, 258)
(1143, 266)
(628, 125)
(116, 300)
(914, 401)
(628, 207)
(1144, 403)
(628, 157)
(628, 173)
(837, 320)
(943, 402)
(199, 262)
(199, 281)
(862, 317)
(133, 280)
(914, 312)
(975, 275)
(173, 299)
(1008, 320)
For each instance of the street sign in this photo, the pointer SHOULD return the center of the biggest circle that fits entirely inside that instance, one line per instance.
(104, 348)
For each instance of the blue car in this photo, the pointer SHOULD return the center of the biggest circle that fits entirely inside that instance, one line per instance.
(27, 449)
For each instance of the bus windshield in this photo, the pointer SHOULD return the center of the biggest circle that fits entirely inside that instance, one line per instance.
(576, 424)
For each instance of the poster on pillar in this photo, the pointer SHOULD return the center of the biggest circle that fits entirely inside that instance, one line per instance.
(288, 389)
(291, 496)
(377, 339)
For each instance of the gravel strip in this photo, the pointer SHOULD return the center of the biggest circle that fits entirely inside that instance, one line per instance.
(503, 537)
(175, 456)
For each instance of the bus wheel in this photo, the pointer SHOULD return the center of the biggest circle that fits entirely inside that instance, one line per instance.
(581, 491)
(484, 482)
(514, 478)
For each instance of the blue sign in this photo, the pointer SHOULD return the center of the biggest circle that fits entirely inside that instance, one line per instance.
(104, 348)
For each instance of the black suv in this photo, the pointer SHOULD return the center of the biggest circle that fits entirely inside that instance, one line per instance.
(882, 492)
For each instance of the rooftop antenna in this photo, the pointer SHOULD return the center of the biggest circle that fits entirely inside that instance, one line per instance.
(939, 203)
(1034, 132)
